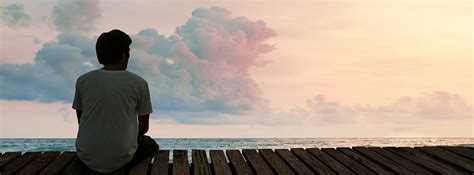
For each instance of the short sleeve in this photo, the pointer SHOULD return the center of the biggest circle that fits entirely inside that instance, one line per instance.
(77, 103)
(144, 103)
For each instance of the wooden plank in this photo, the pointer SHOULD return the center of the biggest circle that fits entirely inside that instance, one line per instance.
(219, 162)
(237, 162)
(39, 163)
(180, 162)
(200, 163)
(18, 163)
(379, 169)
(400, 160)
(256, 162)
(447, 156)
(347, 161)
(297, 165)
(7, 157)
(383, 160)
(313, 163)
(87, 171)
(276, 163)
(76, 167)
(141, 168)
(463, 151)
(160, 163)
(423, 160)
(58, 164)
(328, 160)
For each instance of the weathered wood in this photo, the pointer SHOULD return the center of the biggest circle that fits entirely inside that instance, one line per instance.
(18, 163)
(331, 162)
(39, 163)
(314, 163)
(180, 162)
(276, 163)
(237, 162)
(219, 162)
(256, 162)
(58, 164)
(402, 161)
(423, 160)
(348, 162)
(7, 157)
(379, 169)
(160, 163)
(141, 168)
(447, 156)
(465, 152)
(76, 167)
(297, 165)
(383, 160)
(200, 163)
(87, 171)
(361, 160)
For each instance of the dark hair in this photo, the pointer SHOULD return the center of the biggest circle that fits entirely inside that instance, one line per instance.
(110, 46)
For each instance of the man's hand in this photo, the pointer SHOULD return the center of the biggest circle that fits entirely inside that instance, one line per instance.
(143, 124)
(78, 113)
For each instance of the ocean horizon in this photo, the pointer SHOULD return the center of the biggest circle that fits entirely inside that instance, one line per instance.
(68, 144)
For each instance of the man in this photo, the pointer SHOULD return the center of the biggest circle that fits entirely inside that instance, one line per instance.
(108, 102)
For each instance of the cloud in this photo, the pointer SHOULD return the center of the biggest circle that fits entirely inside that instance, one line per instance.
(76, 15)
(14, 15)
(402, 113)
(205, 66)
(36, 40)
(437, 105)
(202, 70)
(51, 78)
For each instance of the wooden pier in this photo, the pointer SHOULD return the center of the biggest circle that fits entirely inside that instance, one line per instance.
(356, 160)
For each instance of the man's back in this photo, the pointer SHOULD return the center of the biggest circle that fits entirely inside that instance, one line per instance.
(108, 129)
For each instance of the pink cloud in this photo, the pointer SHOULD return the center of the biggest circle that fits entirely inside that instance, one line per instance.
(434, 105)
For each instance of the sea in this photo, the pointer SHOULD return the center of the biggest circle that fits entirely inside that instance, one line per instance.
(67, 144)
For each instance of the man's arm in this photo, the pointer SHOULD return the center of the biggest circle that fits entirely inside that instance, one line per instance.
(78, 113)
(143, 124)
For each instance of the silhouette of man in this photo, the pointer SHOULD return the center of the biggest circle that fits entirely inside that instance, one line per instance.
(108, 102)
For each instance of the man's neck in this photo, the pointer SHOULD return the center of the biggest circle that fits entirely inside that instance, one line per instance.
(113, 67)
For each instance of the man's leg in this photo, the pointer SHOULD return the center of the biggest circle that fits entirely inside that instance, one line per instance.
(146, 147)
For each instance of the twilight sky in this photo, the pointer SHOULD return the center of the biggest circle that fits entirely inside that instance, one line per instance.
(270, 68)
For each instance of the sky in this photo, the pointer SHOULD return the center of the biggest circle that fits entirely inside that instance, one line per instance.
(223, 68)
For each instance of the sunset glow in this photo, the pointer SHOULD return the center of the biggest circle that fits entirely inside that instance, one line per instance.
(249, 68)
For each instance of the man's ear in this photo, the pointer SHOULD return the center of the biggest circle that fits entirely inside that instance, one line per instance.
(125, 55)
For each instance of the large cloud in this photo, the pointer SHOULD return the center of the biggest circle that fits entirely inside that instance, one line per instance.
(205, 66)
(202, 70)
(14, 15)
(51, 78)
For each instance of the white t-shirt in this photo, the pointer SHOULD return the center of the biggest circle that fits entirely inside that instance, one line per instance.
(110, 102)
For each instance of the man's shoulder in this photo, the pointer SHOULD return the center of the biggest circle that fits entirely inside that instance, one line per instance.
(136, 77)
(85, 75)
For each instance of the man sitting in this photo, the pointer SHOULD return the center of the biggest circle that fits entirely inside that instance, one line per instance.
(108, 102)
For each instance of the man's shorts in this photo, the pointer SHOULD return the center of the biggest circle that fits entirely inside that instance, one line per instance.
(146, 147)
